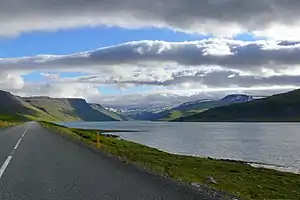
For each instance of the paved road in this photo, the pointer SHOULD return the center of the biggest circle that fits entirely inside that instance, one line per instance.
(46, 166)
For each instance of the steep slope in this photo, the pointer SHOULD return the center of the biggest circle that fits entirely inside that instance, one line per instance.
(281, 107)
(13, 108)
(86, 113)
(64, 109)
(114, 115)
(59, 108)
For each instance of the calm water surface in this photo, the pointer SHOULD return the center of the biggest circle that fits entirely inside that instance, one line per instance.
(276, 145)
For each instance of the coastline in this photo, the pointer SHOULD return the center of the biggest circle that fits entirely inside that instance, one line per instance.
(235, 178)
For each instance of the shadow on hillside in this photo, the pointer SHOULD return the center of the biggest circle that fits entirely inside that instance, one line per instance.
(85, 112)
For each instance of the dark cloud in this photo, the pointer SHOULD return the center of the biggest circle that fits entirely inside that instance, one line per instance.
(223, 17)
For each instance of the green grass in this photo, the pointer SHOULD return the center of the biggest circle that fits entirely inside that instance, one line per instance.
(172, 115)
(175, 114)
(39, 115)
(236, 178)
(11, 118)
(23, 112)
(5, 124)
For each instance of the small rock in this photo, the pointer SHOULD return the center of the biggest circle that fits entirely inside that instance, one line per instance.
(210, 179)
(196, 184)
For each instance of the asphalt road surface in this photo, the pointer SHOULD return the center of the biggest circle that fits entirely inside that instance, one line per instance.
(37, 164)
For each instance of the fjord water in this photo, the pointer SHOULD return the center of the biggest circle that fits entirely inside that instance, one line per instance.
(277, 145)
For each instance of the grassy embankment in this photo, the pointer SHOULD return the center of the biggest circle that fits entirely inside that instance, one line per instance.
(12, 119)
(5, 124)
(239, 179)
(15, 112)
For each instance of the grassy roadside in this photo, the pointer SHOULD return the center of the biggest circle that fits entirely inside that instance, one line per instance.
(239, 179)
(6, 124)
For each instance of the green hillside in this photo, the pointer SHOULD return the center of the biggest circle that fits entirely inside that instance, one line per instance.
(13, 108)
(17, 109)
(63, 109)
(188, 109)
(280, 107)
(174, 114)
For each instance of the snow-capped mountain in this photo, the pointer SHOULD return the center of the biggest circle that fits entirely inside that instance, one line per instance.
(156, 111)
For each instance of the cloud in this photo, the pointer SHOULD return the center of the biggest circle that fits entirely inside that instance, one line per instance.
(165, 63)
(233, 54)
(10, 81)
(274, 18)
(15, 83)
(214, 64)
(50, 76)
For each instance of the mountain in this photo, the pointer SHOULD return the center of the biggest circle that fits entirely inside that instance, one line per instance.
(194, 107)
(111, 113)
(154, 112)
(138, 113)
(13, 108)
(276, 108)
(147, 106)
(167, 112)
(65, 109)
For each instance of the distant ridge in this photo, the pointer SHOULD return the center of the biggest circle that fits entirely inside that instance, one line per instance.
(193, 107)
(277, 108)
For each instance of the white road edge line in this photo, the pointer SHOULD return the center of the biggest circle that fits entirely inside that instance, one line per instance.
(4, 166)
(7, 161)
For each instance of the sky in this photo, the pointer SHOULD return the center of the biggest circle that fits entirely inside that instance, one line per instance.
(139, 52)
